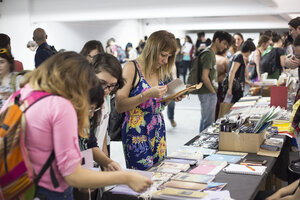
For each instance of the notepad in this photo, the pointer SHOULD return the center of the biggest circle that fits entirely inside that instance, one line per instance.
(243, 169)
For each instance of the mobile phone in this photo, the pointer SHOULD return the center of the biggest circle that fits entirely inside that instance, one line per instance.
(254, 161)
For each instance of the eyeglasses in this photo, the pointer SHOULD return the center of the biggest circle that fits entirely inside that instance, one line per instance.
(92, 109)
(110, 87)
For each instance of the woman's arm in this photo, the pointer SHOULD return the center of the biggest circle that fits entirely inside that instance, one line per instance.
(104, 161)
(256, 60)
(125, 103)
(282, 61)
(84, 178)
(286, 192)
(235, 66)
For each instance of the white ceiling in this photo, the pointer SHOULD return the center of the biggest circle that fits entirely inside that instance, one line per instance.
(188, 15)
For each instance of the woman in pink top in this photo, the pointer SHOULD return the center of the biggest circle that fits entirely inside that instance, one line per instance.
(54, 123)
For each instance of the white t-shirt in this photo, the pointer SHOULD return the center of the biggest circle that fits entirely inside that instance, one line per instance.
(101, 131)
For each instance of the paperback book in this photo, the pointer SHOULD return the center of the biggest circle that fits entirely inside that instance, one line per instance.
(197, 178)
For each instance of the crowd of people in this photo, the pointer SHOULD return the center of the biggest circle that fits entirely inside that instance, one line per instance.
(75, 117)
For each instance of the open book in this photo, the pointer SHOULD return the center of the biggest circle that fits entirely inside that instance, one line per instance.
(177, 88)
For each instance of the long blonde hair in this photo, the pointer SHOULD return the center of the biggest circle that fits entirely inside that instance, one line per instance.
(157, 42)
(68, 75)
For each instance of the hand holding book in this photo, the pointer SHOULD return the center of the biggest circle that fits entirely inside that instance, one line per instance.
(176, 89)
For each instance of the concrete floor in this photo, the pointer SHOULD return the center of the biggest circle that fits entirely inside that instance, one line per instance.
(187, 117)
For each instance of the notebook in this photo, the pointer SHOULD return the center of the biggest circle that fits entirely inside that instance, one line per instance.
(243, 169)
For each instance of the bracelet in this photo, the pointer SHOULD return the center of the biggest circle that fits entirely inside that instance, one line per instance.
(141, 97)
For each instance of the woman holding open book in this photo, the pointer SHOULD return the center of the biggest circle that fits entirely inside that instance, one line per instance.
(143, 129)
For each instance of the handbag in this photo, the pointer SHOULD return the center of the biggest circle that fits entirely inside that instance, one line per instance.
(236, 85)
(116, 119)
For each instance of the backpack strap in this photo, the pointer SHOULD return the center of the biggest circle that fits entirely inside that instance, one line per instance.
(34, 97)
(44, 169)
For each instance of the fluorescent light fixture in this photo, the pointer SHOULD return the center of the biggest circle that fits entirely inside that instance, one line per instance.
(294, 15)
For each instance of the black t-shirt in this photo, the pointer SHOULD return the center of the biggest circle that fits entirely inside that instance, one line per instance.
(279, 52)
(240, 73)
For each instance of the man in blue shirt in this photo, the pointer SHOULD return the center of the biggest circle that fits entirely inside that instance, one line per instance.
(44, 51)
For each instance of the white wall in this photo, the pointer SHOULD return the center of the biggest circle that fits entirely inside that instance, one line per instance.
(15, 22)
(73, 35)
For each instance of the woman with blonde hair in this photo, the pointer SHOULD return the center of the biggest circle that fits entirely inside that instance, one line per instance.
(143, 129)
(53, 124)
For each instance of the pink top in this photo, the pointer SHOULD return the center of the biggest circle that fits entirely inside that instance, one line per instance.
(51, 123)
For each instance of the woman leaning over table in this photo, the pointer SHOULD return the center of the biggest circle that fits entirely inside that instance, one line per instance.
(143, 129)
(53, 123)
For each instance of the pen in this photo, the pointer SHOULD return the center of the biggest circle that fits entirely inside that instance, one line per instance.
(249, 167)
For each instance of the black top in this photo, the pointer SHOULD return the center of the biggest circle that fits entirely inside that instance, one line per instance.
(240, 73)
(42, 53)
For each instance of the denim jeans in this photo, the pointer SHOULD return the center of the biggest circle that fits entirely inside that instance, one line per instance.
(45, 194)
(170, 109)
(208, 108)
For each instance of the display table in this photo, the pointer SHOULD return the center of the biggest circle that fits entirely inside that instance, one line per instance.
(240, 186)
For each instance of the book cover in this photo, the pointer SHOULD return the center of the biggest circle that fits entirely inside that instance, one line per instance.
(164, 170)
(197, 178)
(186, 155)
(159, 176)
(214, 186)
(172, 165)
(181, 160)
(181, 193)
(185, 185)
(222, 157)
(209, 167)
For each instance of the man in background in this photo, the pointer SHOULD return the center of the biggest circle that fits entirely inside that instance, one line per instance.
(200, 43)
(207, 73)
(5, 43)
(44, 51)
(292, 61)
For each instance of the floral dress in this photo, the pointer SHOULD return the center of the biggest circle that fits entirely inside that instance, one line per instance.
(143, 130)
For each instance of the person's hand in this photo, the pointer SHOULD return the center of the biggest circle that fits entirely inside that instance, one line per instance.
(158, 91)
(180, 98)
(112, 166)
(229, 93)
(292, 62)
(138, 182)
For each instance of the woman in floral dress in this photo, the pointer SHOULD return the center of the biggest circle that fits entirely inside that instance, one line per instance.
(143, 129)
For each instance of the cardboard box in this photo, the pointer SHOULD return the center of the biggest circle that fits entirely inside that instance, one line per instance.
(242, 142)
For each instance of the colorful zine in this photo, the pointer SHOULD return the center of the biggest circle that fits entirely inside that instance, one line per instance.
(214, 186)
(222, 157)
(197, 178)
(185, 185)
